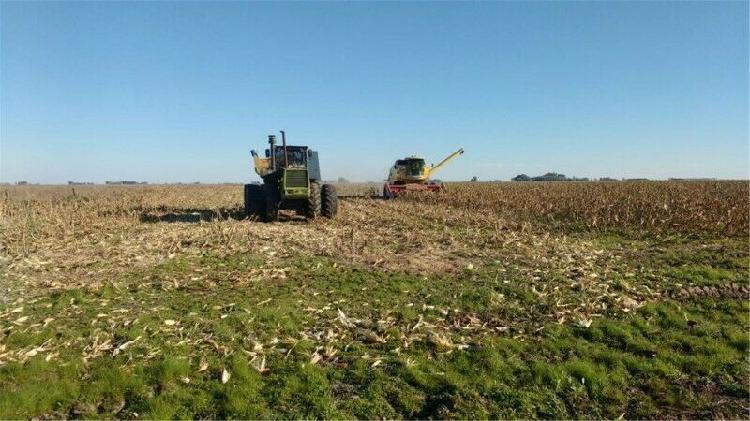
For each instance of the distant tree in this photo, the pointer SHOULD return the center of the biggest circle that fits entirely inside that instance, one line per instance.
(342, 180)
(474, 178)
(521, 177)
(550, 176)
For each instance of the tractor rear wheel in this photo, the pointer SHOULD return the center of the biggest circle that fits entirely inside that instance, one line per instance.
(313, 201)
(271, 208)
(253, 199)
(330, 205)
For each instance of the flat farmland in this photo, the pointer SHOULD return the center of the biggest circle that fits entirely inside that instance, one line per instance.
(488, 300)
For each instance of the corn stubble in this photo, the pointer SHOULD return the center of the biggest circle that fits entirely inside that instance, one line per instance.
(435, 274)
(79, 236)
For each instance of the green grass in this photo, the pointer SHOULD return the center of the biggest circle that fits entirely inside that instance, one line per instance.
(640, 368)
(702, 275)
(665, 359)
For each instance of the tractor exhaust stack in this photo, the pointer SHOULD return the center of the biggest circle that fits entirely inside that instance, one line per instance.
(283, 145)
(272, 143)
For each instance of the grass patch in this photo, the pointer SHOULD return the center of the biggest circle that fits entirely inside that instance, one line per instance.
(702, 275)
(156, 344)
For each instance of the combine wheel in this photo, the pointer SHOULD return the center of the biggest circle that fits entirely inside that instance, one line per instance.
(330, 205)
(271, 209)
(253, 199)
(313, 201)
(387, 193)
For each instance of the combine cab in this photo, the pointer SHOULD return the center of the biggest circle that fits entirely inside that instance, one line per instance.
(292, 181)
(413, 174)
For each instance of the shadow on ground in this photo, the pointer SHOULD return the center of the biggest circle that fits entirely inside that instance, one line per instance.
(191, 215)
(195, 216)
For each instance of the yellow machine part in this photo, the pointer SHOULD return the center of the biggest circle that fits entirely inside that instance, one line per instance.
(433, 169)
(398, 174)
(262, 165)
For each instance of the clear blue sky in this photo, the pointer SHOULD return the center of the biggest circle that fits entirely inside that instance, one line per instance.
(183, 91)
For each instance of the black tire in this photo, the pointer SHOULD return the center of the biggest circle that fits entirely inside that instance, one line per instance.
(253, 199)
(313, 201)
(330, 205)
(271, 199)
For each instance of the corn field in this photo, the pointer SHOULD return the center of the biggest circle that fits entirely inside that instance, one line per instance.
(719, 208)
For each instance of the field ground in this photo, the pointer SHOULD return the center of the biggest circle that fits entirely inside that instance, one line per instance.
(555, 300)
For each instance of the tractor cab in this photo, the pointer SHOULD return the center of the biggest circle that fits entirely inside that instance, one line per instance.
(291, 156)
(283, 158)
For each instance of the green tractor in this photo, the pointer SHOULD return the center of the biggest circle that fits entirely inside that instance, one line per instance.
(291, 180)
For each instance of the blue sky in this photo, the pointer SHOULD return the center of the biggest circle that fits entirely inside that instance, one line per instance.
(169, 91)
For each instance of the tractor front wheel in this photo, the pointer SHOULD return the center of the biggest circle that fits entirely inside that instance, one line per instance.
(253, 199)
(330, 205)
(313, 201)
(271, 196)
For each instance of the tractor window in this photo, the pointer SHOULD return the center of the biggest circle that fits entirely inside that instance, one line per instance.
(296, 157)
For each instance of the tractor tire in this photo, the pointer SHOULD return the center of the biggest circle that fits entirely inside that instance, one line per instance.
(313, 201)
(330, 206)
(253, 199)
(271, 202)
